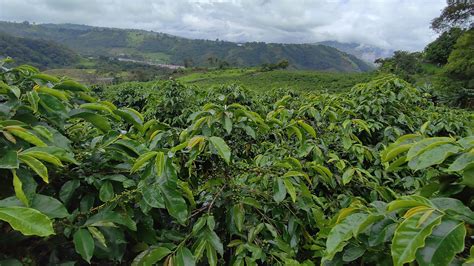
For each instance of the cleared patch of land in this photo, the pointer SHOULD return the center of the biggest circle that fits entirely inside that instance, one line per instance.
(301, 80)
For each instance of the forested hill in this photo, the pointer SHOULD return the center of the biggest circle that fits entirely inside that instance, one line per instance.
(39, 53)
(165, 48)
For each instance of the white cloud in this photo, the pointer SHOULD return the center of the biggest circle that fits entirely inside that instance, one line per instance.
(395, 24)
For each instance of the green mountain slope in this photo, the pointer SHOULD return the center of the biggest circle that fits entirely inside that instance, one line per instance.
(39, 53)
(165, 48)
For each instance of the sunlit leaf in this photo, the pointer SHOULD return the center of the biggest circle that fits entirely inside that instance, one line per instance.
(26, 220)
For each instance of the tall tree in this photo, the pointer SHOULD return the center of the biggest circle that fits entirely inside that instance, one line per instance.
(458, 13)
(402, 63)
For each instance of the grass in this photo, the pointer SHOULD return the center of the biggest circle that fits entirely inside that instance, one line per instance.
(160, 58)
(85, 75)
(251, 78)
(431, 69)
(157, 57)
(203, 76)
(302, 80)
(135, 38)
(81, 75)
(431, 74)
(86, 63)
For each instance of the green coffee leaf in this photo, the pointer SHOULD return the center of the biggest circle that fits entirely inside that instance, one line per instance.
(61, 95)
(279, 190)
(410, 236)
(184, 257)
(99, 121)
(432, 156)
(227, 124)
(309, 129)
(465, 160)
(27, 136)
(211, 255)
(97, 107)
(106, 191)
(36, 165)
(70, 85)
(222, 149)
(27, 220)
(153, 196)
(201, 222)
(9, 160)
(97, 234)
(43, 156)
(144, 158)
(33, 99)
(213, 239)
(238, 215)
(174, 202)
(390, 154)
(151, 256)
(131, 116)
(50, 206)
(18, 187)
(160, 163)
(341, 233)
(446, 240)
(425, 144)
(84, 244)
(408, 202)
(67, 190)
(60, 153)
(108, 216)
(290, 188)
(347, 176)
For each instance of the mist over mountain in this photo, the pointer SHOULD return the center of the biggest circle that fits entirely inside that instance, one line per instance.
(368, 53)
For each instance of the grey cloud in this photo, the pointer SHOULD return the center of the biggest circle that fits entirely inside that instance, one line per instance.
(394, 24)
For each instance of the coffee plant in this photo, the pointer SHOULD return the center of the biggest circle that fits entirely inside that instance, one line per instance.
(176, 175)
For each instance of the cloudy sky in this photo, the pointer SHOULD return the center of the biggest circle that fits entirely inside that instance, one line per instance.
(393, 24)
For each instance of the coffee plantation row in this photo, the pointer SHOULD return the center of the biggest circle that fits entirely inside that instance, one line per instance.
(162, 173)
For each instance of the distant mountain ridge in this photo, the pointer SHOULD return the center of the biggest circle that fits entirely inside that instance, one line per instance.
(39, 53)
(168, 49)
(368, 53)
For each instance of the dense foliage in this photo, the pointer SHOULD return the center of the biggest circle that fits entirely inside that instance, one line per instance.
(439, 50)
(377, 175)
(39, 53)
(164, 48)
(283, 64)
(460, 67)
(461, 61)
(446, 67)
(403, 64)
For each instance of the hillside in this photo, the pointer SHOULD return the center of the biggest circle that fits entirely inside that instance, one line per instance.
(164, 48)
(39, 53)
